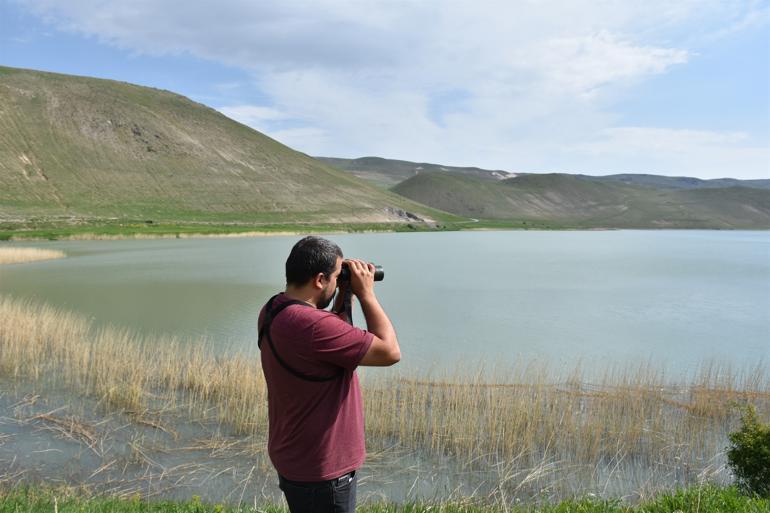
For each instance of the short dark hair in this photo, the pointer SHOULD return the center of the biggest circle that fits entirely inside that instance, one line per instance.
(310, 256)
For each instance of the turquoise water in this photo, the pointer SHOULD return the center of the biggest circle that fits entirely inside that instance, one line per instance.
(676, 298)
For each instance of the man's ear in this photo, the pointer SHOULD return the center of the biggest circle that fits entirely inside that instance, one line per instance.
(318, 281)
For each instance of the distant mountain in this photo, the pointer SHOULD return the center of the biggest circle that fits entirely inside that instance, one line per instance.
(573, 201)
(678, 182)
(580, 201)
(99, 149)
(388, 172)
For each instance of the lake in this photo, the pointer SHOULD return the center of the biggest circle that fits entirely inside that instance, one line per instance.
(492, 298)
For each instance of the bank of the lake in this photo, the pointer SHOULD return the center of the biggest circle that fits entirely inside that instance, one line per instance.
(140, 230)
(696, 499)
(122, 229)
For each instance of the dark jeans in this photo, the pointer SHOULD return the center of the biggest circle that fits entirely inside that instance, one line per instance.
(334, 496)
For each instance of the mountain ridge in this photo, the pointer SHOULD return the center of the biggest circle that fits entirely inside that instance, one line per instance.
(375, 168)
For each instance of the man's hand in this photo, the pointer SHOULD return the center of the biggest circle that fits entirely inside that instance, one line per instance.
(361, 278)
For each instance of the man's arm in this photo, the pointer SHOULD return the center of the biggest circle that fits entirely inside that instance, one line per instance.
(384, 350)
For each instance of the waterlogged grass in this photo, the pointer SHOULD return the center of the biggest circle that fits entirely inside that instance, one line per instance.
(9, 255)
(515, 432)
(704, 499)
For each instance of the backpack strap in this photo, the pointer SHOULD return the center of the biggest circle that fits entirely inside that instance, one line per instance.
(264, 332)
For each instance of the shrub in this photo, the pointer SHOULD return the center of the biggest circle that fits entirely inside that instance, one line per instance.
(749, 454)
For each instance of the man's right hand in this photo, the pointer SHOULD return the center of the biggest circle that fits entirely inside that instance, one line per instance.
(361, 278)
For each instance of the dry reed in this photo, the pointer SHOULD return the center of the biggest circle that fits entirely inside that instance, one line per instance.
(523, 418)
(10, 255)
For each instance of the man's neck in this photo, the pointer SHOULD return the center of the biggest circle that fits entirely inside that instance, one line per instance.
(301, 294)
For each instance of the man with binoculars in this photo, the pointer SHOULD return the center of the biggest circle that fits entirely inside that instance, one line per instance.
(309, 356)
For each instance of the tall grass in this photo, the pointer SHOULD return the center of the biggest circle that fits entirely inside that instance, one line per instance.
(10, 255)
(525, 424)
(125, 371)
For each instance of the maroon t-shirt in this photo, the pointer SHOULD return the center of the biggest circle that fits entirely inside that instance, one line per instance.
(316, 428)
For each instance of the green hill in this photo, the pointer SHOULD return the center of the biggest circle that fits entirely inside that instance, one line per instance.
(92, 150)
(574, 201)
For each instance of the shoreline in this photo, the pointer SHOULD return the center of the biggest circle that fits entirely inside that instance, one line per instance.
(223, 231)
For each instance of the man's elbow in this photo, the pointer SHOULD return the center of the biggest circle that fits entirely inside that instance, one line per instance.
(382, 353)
(394, 354)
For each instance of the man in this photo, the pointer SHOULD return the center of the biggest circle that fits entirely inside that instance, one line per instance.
(309, 357)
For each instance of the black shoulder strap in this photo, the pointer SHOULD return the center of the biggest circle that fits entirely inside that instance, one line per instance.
(264, 332)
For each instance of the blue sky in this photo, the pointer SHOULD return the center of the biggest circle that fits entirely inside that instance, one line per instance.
(673, 88)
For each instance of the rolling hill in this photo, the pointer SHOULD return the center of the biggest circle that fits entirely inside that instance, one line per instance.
(93, 149)
(574, 201)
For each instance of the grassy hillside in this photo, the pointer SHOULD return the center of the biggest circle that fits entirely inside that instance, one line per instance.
(76, 149)
(573, 201)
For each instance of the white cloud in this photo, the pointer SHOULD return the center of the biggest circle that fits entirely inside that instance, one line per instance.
(645, 140)
(352, 78)
(580, 65)
(253, 115)
(712, 154)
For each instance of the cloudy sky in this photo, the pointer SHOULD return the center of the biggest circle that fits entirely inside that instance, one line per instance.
(584, 86)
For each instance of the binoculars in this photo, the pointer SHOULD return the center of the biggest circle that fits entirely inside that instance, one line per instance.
(379, 273)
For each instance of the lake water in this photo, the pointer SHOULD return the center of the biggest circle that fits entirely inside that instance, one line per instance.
(677, 298)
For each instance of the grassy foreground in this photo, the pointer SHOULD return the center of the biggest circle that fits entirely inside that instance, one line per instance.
(706, 499)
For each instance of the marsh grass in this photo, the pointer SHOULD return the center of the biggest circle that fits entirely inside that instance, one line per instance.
(10, 255)
(522, 430)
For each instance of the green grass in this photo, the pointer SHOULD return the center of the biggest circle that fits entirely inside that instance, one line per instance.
(705, 499)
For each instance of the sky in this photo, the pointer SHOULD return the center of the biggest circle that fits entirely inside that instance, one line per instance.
(578, 86)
